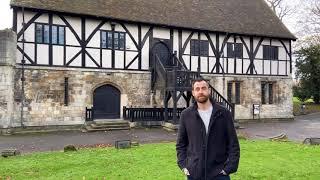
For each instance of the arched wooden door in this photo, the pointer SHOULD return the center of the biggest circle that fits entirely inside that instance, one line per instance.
(161, 49)
(106, 102)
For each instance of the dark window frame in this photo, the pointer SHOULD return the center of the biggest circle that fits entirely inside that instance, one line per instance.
(270, 52)
(234, 98)
(234, 50)
(267, 92)
(109, 45)
(199, 47)
(43, 34)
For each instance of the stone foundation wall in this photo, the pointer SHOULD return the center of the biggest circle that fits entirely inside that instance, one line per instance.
(250, 93)
(7, 61)
(44, 92)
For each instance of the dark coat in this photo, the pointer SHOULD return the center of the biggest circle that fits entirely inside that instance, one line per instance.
(205, 155)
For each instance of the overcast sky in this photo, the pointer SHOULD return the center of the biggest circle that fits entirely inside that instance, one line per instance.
(6, 15)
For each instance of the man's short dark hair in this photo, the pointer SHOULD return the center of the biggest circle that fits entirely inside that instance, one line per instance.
(198, 80)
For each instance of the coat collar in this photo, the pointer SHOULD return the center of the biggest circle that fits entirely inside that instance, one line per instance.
(215, 106)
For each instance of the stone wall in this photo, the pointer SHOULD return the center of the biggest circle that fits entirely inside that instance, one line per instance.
(250, 93)
(7, 62)
(44, 92)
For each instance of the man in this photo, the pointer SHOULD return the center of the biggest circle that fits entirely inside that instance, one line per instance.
(207, 145)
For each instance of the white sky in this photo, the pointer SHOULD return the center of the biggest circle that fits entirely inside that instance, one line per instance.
(5, 14)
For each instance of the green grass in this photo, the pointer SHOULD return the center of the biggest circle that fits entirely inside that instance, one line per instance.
(259, 160)
(310, 107)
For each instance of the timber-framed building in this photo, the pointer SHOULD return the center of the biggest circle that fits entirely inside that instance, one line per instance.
(79, 60)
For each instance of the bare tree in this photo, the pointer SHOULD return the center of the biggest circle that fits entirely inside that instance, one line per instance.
(280, 8)
(310, 18)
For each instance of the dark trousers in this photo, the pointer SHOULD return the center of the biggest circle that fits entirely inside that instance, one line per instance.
(219, 177)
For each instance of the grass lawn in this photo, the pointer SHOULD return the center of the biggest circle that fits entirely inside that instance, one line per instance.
(259, 160)
(310, 106)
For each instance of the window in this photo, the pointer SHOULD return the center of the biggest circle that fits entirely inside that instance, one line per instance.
(234, 50)
(267, 92)
(270, 52)
(43, 34)
(199, 48)
(234, 92)
(117, 40)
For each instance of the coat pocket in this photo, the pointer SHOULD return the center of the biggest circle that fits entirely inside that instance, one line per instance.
(192, 164)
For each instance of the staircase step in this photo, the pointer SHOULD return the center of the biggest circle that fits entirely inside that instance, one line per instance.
(110, 122)
(99, 126)
(107, 125)
(90, 129)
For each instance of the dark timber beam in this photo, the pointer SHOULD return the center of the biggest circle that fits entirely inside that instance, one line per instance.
(113, 53)
(140, 47)
(217, 65)
(28, 24)
(71, 29)
(83, 40)
(50, 40)
(14, 18)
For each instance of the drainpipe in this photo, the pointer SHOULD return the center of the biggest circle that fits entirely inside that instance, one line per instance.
(22, 70)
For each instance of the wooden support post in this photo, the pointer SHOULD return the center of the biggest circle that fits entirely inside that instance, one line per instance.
(174, 111)
(166, 106)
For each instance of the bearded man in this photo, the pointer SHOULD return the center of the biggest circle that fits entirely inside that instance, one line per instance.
(207, 144)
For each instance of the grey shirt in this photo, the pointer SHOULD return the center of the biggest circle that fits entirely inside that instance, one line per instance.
(205, 116)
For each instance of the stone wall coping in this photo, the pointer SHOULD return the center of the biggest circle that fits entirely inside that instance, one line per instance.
(142, 72)
(247, 76)
(18, 66)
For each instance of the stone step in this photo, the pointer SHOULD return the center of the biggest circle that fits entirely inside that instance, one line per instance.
(107, 125)
(107, 121)
(115, 125)
(90, 129)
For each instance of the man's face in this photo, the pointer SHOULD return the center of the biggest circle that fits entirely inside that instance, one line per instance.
(201, 92)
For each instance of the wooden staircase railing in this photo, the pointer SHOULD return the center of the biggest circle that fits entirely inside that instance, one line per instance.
(180, 78)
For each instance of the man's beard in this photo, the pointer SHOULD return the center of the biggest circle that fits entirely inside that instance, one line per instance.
(202, 99)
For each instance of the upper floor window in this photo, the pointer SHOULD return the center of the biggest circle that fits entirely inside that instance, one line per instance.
(267, 92)
(115, 39)
(234, 50)
(234, 92)
(199, 47)
(270, 52)
(43, 34)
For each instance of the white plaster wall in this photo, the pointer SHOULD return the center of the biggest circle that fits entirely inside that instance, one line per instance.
(57, 55)
(57, 20)
(95, 54)
(194, 63)
(119, 59)
(70, 53)
(76, 24)
(176, 41)
(163, 33)
(106, 58)
(145, 55)
(133, 29)
(42, 54)
(204, 64)
(145, 48)
(186, 59)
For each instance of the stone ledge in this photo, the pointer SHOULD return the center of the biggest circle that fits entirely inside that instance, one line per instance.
(265, 120)
(80, 69)
(145, 124)
(40, 129)
(170, 127)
